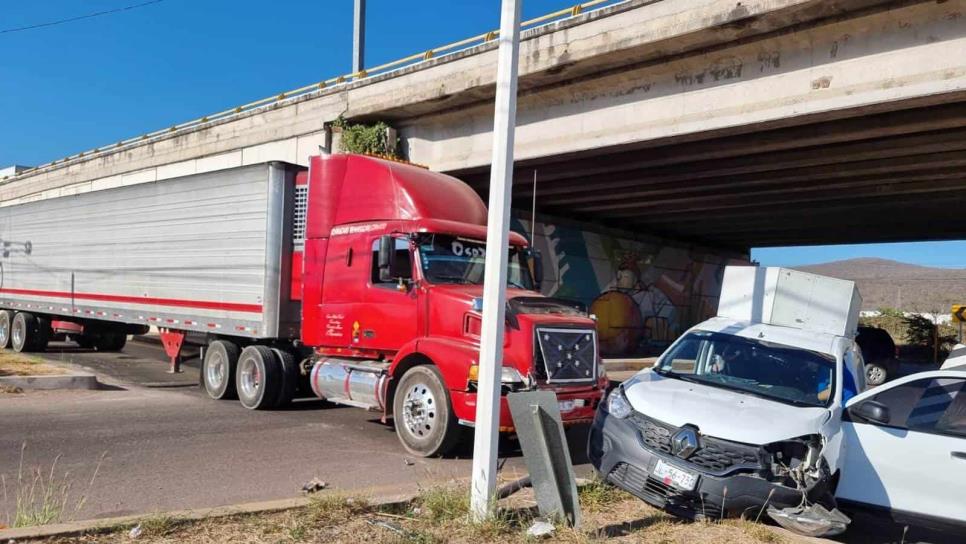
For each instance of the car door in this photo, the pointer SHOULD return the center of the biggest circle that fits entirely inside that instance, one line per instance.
(911, 462)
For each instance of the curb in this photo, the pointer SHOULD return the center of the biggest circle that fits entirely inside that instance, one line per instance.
(78, 528)
(56, 381)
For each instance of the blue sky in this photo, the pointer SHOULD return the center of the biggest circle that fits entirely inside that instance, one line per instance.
(939, 254)
(76, 86)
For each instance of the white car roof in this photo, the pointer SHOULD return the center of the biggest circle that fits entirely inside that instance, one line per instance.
(788, 336)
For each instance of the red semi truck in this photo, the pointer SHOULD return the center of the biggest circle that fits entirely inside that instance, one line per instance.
(358, 278)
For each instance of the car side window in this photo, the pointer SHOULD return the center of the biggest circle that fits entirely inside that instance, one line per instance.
(935, 405)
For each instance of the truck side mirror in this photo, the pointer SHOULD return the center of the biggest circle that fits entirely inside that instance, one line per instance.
(871, 410)
(537, 260)
(393, 264)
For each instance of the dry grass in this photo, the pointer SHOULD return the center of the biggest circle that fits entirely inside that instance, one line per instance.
(44, 496)
(16, 364)
(440, 515)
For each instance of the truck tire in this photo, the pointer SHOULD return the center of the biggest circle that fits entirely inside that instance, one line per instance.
(876, 373)
(258, 378)
(110, 341)
(6, 320)
(41, 334)
(423, 413)
(218, 369)
(22, 332)
(289, 376)
(84, 341)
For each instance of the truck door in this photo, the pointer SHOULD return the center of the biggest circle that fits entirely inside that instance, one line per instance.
(912, 460)
(389, 318)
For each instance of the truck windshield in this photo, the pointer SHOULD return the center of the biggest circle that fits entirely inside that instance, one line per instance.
(452, 259)
(773, 371)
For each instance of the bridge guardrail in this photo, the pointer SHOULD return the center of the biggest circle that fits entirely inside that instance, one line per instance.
(437, 52)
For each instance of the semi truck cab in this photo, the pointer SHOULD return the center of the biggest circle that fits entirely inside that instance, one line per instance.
(391, 288)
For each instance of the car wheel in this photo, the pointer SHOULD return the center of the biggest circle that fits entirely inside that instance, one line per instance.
(218, 369)
(6, 319)
(258, 378)
(423, 413)
(875, 374)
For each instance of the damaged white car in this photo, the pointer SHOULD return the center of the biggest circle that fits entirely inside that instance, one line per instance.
(743, 414)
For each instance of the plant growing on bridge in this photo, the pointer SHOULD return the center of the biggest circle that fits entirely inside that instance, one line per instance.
(372, 139)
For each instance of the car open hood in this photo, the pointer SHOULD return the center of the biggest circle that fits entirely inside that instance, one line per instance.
(719, 412)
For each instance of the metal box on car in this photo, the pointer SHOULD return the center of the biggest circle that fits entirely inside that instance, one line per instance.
(790, 298)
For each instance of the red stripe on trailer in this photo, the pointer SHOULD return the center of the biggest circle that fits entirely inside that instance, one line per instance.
(153, 301)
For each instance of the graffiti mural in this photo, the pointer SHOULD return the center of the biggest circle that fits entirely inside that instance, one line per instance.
(644, 294)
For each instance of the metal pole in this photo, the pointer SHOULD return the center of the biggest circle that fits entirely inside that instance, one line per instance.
(359, 36)
(494, 276)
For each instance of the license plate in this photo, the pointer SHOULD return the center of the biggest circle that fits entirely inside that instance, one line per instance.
(569, 405)
(681, 479)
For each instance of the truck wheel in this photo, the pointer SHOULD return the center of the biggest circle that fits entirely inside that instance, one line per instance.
(22, 332)
(85, 341)
(258, 378)
(218, 369)
(876, 373)
(41, 335)
(6, 318)
(110, 341)
(289, 376)
(423, 413)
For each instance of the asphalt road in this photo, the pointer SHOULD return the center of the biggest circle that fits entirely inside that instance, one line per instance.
(172, 447)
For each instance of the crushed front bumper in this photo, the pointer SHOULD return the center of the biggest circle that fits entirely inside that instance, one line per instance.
(617, 452)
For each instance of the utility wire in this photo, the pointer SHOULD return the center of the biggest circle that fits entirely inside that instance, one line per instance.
(79, 17)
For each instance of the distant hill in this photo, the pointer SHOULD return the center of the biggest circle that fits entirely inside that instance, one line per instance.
(885, 283)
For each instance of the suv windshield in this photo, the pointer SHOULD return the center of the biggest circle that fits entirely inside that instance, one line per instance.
(451, 259)
(773, 371)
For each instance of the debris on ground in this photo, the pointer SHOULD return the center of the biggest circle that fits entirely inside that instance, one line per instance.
(11, 389)
(815, 520)
(135, 531)
(409, 462)
(541, 529)
(386, 525)
(314, 485)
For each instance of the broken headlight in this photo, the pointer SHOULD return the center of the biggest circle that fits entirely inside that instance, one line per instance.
(618, 405)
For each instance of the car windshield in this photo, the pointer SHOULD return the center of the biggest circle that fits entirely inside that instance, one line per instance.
(773, 371)
(452, 259)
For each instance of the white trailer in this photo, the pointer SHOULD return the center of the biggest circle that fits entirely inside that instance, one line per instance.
(208, 252)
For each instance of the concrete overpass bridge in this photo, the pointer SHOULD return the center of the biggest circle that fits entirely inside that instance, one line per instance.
(725, 123)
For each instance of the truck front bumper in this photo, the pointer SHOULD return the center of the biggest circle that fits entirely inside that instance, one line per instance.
(584, 404)
(618, 454)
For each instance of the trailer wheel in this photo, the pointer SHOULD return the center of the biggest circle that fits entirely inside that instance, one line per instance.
(110, 341)
(23, 332)
(289, 376)
(258, 378)
(41, 334)
(85, 341)
(423, 413)
(6, 318)
(218, 369)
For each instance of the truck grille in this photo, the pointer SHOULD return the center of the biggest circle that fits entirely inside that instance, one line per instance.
(566, 355)
(714, 455)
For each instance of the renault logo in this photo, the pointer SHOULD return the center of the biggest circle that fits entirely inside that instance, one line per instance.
(684, 442)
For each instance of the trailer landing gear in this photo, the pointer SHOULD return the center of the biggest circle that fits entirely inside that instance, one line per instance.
(172, 341)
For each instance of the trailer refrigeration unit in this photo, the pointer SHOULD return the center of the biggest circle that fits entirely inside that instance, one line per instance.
(358, 279)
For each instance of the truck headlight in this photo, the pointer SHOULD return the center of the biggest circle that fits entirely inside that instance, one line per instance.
(508, 374)
(618, 405)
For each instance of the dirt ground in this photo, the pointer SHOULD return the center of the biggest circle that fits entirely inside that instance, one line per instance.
(16, 364)
(440, 515)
